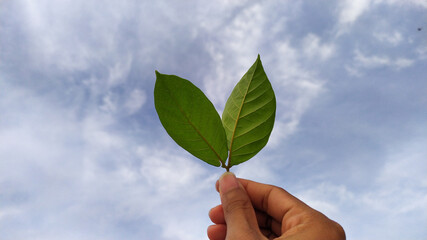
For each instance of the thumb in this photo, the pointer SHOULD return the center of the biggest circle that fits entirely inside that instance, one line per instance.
(239, 213)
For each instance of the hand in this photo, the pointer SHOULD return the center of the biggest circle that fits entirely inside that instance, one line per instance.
(253, 211)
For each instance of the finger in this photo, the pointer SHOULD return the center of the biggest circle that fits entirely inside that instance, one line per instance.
(273, 200)
(268, 223)
(268, 234)
(216, 215)
(238, 211)
(217, 232)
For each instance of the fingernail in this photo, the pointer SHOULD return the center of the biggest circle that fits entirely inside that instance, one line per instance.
(227, 182)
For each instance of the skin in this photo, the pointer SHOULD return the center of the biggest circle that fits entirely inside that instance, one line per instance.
(254, 211)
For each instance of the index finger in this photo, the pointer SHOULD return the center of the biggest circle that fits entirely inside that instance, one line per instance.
(273, 200)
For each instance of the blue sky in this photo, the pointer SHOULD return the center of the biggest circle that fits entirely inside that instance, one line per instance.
(84, 156)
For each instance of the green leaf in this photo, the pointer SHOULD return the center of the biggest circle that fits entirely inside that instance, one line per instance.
(248, 116)
(190, 118)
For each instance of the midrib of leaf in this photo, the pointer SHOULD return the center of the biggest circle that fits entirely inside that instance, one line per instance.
(197, 130)
(238, 117)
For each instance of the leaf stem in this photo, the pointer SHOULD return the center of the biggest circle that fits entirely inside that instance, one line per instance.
(227, 167)
(222, 163)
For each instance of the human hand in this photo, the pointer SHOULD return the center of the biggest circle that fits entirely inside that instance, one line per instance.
(254, 211)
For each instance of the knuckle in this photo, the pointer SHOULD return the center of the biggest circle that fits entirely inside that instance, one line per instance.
(340, 233)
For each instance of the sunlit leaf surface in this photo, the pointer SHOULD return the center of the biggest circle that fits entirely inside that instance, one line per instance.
(190, 118)
(249, 113)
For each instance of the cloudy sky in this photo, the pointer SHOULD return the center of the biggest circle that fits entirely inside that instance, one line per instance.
(83, 154)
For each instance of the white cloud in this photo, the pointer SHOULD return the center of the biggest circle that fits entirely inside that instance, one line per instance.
(61, 41)
(234, 50)
(118, 73)
(82, 174)
(395, 195)
(136, 99)
(109, 102)
(212, 15)
(353, 71)
(314, 49)
(421, 52)
(258, 168)
(362, 62)
(297, 87)
(403, 63)
(417, 3)
(402, 175)
(376, 61)
(371, 61)
(351, 10)
(391, 38)
(54, 38)
(130, 104)
(327, 197)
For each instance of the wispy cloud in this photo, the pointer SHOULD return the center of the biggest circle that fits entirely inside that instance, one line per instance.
(234, 52)
(314, 49)
(80, 174)
(394, 39)
(362, 61)
(350, 11)
(395, 194)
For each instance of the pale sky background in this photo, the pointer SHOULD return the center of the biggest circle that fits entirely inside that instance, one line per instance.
(84, 156)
